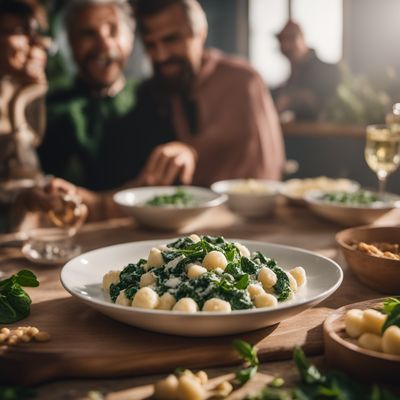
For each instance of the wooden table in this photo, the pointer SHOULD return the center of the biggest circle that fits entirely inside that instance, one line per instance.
(295, 226)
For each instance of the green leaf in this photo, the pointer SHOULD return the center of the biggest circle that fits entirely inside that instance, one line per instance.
(7, 313)
(243, 282)
(246, 374)
(246, 351)
(26, 278)
(309, 373)
(14, 301)
(393, 318)
(390, 304)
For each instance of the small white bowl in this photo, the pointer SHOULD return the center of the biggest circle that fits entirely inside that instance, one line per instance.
(350, 214)
(294, 190)
(169, 217)
(249, 197)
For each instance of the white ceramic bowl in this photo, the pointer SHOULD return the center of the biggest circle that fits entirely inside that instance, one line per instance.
(249, 197)
(170, 217)
(350, 215)
(294, 190)
(83, 275)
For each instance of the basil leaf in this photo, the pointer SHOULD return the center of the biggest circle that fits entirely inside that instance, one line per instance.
(26, 278)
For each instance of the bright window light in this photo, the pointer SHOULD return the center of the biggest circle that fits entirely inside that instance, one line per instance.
(322, 23)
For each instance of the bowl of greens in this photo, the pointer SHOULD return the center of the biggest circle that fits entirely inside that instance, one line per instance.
(201, 285)
(167, 207)
(351, 208)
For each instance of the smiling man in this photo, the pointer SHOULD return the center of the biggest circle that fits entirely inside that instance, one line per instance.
(218, 104)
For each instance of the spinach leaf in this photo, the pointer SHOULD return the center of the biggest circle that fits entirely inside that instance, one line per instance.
(282, 286)
(249, 354)
(390, 304)
(308, 373)
(393, 318)
(129, 278)
(14, 301)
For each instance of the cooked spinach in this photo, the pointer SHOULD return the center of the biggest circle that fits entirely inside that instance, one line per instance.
(181, 198)
(129, 280)
(229, 284)
(282, 286)
(360, 197)
(14, 301)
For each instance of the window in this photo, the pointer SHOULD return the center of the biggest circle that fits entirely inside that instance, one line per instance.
(321, 21)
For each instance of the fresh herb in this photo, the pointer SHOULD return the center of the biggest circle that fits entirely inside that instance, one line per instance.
(14, 301)
(181, 198)
(392, 308)
(360, 197)
(316, 386)
(249, 355)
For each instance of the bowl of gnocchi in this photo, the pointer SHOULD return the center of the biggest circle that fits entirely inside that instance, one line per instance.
(201, 285)
(363, 339)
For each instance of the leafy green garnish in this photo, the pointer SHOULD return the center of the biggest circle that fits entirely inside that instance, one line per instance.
(181, 198)
(249, 354)
(317, 386)
(14, 301)
(392, 308)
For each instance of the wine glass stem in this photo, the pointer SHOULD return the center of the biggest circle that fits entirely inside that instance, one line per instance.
(382, 175)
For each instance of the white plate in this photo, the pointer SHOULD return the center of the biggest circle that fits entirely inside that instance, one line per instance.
(83, 275)
(166, 218)
(295, 189)
(350, 214)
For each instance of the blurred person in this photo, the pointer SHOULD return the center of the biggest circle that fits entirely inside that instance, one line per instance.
(218, 104)
(312, 82)
(88, 144)
(22, 89)
(88, 141)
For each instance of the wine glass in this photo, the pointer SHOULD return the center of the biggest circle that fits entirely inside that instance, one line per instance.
(52, 242)
(382, 151)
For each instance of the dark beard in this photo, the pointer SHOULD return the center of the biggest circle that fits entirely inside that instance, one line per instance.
(182, 83)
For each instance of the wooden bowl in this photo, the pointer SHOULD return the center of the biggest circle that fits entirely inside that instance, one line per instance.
(381, 274)
(343, 353)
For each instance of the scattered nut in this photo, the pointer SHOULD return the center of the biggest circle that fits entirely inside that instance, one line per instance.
(22, 334)
(42, 336)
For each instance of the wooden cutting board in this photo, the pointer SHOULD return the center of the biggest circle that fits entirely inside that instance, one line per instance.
(84, 343)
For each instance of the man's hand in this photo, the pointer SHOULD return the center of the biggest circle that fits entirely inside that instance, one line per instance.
(167, 163)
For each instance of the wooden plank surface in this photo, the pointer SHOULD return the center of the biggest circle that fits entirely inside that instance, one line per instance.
(85, 343)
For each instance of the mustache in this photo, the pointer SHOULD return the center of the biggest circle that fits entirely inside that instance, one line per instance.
(171, 61)
(110, 56)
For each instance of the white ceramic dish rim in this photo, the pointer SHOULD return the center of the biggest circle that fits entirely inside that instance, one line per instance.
(286, 188)
(274, 188)
(311, 197)
(281, 306)
(218, 200)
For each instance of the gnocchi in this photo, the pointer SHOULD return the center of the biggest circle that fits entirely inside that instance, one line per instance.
(370, 327)
(202, 273)
(216, 305)
(146, 298)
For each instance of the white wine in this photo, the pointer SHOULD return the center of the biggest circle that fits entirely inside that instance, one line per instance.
(382, 150)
